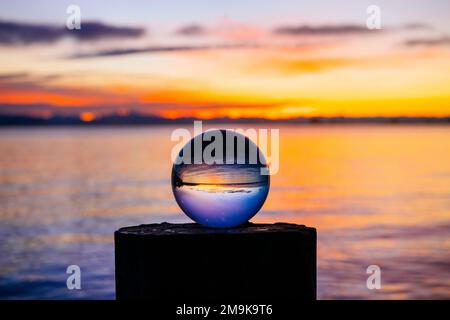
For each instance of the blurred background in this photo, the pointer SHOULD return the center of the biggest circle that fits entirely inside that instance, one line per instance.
(86, 117)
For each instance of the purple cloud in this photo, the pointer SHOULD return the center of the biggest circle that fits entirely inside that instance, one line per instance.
(428, 42)
(17, 33)
(191, 30)
(322, 30)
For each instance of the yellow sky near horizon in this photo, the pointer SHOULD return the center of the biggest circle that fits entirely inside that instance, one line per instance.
(361, 74)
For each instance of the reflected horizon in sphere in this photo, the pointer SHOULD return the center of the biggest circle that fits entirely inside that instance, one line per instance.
(220, 195)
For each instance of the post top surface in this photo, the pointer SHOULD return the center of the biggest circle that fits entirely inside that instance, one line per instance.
(165, 229)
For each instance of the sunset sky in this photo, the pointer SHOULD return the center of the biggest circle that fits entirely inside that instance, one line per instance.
(237, 59)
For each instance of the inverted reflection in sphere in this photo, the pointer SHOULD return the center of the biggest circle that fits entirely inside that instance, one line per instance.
(220, 179)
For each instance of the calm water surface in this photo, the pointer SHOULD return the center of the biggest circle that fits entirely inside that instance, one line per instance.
(376, 194)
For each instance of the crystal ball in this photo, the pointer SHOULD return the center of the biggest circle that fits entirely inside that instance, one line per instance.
(220, 179)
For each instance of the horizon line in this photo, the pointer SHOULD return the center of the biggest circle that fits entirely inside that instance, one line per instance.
(142, 119)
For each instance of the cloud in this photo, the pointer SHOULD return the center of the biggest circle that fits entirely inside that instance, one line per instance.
(417, 26)
(428, 42)
(225, 28)
(345, 29)
(17, 33)
(42, 89)
(98, 30)
(27, 96)
(126, 51)
(25, 80)
(13, 76)
(30, 94)
(296, 66)
(191, 30)
(156, 49)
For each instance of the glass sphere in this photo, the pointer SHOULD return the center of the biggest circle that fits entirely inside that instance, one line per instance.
(220, 179)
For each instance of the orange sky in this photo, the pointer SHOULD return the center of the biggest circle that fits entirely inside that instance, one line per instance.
(236, 70)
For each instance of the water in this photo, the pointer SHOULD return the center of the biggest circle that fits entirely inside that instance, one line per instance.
(376, 194)
(224, 188)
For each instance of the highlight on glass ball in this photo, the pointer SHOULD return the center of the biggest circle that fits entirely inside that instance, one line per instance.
(220, 179)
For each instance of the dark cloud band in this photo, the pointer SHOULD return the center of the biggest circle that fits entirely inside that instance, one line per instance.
(158, 49)
(16, 33)
(191, 30)
(321, 30)
(428, 42)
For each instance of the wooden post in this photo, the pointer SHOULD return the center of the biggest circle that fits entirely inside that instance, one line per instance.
(254, 262)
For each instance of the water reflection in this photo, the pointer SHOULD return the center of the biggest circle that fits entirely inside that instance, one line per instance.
(377, 195)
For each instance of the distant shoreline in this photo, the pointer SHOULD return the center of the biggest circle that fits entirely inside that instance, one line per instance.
(136, 119)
